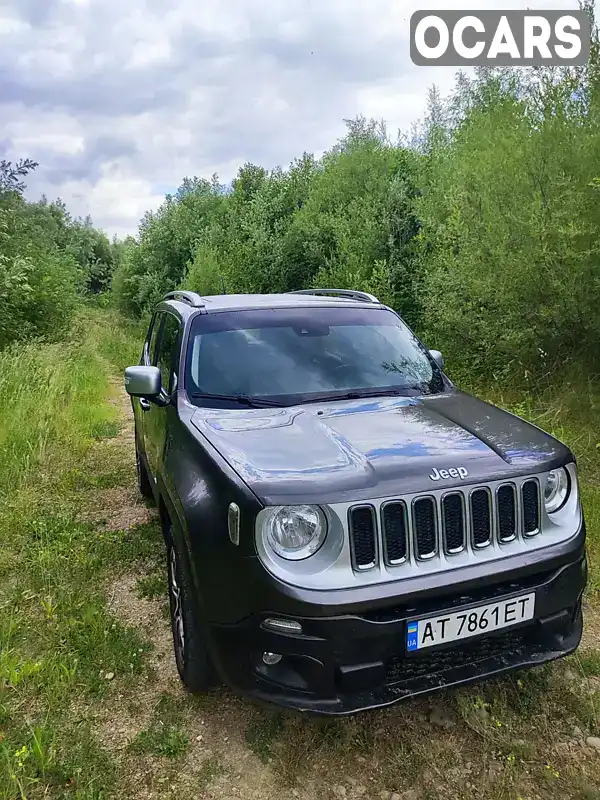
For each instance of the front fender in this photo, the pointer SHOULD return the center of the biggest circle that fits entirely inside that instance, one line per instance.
(198, 487)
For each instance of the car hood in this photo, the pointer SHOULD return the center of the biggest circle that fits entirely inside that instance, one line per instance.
(369, 448)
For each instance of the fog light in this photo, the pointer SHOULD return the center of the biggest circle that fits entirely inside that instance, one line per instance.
(284, 625)
(270, 659)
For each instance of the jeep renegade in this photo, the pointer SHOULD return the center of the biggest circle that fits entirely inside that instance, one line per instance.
(344, 527)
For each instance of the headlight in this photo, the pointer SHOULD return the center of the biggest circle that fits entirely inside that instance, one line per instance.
(296, 532)
(556, 490)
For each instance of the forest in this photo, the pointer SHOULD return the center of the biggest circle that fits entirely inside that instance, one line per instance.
(481, 227)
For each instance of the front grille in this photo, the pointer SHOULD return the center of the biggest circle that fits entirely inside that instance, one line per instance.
(460, 520)
(363, 539)
(425, 526)
(531, 508)
(481, 520)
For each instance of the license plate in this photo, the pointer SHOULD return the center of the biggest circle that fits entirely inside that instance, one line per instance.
(458, 625)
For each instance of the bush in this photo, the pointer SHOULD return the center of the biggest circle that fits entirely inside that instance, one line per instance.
(511, 228)
(204, 274)
(38, 293)
(47, 261)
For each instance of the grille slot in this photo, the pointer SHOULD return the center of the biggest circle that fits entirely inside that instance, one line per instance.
(395, 532)
(362, 537)
(530, 494)
(507, 513)
(481, 519)
(453, 520)
(425, 527)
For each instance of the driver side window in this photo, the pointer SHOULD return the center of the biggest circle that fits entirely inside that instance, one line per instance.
(168, 353)
(151, 340)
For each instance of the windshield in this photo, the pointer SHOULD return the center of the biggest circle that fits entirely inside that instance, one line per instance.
(295, 355)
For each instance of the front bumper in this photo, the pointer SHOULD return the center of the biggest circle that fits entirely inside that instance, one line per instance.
(356, 660)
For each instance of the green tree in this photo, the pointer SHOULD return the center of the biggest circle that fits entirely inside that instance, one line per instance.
(47, 261)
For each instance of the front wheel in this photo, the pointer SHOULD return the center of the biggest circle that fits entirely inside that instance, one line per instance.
(191, 655)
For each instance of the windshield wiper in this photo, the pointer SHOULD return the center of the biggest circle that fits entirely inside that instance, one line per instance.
(242, 399)
(359, 394)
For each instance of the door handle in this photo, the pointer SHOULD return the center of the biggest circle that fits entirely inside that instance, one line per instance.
(145, 405)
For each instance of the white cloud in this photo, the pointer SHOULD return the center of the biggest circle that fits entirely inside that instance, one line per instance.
(11, 25)
(119, 101)
(118, 196)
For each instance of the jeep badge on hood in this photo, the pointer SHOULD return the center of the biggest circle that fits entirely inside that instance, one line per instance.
(445, 474)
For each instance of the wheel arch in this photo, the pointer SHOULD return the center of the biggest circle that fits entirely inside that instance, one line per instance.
(170, 520)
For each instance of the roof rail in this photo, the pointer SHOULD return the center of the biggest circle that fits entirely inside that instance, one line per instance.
(351, 294)
(192, 298)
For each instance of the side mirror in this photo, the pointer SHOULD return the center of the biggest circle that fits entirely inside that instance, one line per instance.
(438, 358)
(143, 381)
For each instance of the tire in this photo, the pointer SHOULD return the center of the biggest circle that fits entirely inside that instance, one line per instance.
(143, 481)
(191, 655)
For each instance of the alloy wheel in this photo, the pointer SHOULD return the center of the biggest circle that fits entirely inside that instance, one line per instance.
(177, 610)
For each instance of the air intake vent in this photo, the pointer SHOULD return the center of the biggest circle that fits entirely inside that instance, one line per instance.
(425, 524)
(531, 508)
(362, 537)
(453, 519)
(481, 519)
(395, 534)
(507, 513)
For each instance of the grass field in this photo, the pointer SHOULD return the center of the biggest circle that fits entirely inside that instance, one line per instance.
(91, 707)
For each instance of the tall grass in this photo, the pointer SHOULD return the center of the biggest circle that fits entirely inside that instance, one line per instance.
(54, 395)
(56, 631)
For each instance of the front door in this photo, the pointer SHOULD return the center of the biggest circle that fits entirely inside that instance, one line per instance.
(155, 416)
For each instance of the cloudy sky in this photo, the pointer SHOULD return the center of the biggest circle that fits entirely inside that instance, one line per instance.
(118, 100)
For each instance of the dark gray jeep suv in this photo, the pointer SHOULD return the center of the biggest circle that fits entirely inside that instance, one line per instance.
(344, 527)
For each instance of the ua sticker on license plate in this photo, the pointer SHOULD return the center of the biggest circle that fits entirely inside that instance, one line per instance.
(458, 625)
